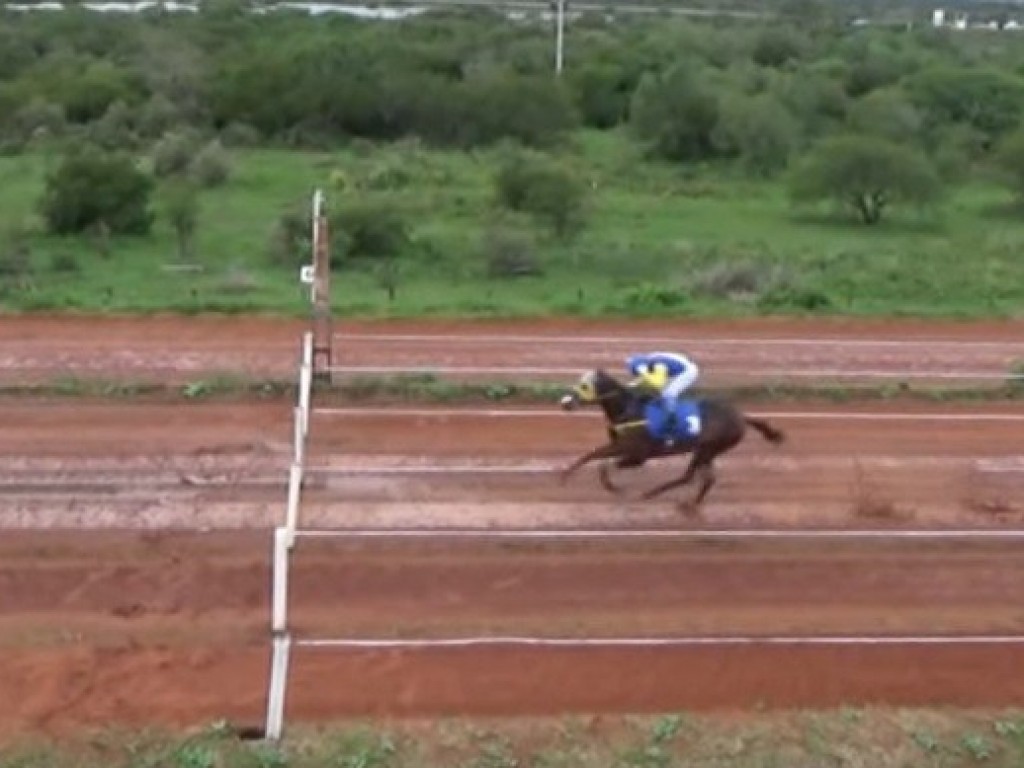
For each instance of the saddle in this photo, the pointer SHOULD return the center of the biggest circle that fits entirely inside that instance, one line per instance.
(676, 424)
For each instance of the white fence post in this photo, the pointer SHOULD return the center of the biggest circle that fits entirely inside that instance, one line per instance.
(294, 489)
(278, 686)
(299, 438)
(279, 608)
(282, 641)
(305, 384)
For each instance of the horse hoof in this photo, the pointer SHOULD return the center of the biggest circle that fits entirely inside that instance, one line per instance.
(688, 508)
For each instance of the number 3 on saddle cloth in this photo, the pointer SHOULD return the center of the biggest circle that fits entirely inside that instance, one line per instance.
(682, 423)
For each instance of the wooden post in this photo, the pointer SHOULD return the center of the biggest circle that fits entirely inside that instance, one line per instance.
(321, 294)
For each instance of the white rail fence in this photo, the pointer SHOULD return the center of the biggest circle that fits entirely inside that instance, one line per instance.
(284, 540)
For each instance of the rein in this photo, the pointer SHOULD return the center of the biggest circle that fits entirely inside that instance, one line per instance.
(622, 426)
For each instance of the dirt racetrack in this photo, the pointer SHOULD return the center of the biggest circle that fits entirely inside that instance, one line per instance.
(134, 565)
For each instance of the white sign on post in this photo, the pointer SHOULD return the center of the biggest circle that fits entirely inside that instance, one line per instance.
(306, 274)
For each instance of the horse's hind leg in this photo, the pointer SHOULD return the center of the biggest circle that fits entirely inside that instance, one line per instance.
(707, 481)
(698, 459)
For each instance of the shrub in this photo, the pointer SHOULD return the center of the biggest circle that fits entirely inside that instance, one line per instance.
(990, 101)
(509, 253)
(240, 135)
(157, 116)
(542, 188)
(182, 211)
(602, 93)
(760, 131)
(290, 239)
(39, 118)
(1010, 163)
(211, 167)
(386, 175)
(739, 280)
(116, 129)
(91, 186)
(536, 111)
(368, 230)
(886, 113)
(173, 154)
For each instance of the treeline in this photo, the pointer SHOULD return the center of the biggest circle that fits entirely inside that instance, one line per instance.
(691, 90)
(893, 114)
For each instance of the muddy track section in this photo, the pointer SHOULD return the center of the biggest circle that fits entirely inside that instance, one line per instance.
(133, 588)
(211, 465)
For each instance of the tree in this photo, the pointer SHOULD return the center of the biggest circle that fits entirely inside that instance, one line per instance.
(602, 93)
(92, 187)
(1010, 163)
(776, 46)
(867, 175)
(888, 114)
(814, 98)
(988, 100)
(370, 230)
(543, 188)
(536, 111)
(760, 131)
(675, 114)
(182, 210)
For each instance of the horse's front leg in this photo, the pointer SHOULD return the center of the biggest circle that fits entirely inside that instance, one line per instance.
(623, 462)
(605, 451)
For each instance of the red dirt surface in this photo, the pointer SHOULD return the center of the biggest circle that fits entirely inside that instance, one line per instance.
(171, 628)
(117, 624)
(39, 347)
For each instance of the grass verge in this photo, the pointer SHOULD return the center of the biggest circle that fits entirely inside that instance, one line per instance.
(875, 737)
(659, 240)
(430, 389)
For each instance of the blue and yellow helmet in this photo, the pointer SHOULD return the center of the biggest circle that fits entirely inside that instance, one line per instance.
(635, 360)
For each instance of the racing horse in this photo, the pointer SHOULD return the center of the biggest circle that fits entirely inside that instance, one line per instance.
(631, 443)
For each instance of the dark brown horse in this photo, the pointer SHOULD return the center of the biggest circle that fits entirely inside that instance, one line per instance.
(630, 444)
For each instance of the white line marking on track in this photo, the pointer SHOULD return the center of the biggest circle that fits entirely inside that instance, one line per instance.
(563, 533)
(519, 413)
(693, 338)
(620, 642)
(392, 467)
(833, 373)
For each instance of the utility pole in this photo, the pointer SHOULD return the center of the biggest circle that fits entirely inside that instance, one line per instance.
(559, 7)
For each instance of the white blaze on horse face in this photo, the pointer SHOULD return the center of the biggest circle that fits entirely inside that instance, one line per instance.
(586, 389)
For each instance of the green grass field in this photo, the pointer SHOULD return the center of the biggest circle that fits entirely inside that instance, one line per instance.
(658, 240)
(847, 737)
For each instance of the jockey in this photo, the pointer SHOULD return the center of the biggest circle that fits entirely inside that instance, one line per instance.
(668, 373)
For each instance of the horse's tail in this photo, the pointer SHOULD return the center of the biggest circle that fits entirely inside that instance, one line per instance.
(768, 432)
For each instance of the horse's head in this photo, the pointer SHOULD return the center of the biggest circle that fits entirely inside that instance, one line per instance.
(597, 388)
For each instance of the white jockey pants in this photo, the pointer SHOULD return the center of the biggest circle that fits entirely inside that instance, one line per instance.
(680, 383)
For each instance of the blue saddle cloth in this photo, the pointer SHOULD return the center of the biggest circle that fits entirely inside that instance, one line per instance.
(683, 423)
